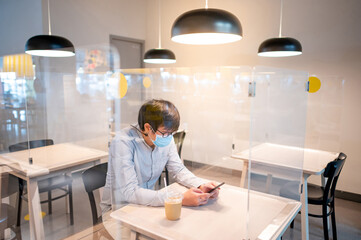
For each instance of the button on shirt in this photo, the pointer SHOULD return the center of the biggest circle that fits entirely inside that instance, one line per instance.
(134, 167)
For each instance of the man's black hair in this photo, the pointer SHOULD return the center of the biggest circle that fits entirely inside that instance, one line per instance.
(159, 113)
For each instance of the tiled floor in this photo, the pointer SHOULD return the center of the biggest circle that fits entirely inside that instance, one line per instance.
(348, 214)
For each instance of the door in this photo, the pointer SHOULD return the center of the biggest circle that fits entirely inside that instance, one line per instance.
(131, 56)
(130, 51)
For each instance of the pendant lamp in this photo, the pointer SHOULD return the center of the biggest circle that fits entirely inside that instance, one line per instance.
(280, 46)
(206, 26)
(159, 55)
(49, 45)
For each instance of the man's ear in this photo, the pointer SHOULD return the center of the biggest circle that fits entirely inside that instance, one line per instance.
(147, 128)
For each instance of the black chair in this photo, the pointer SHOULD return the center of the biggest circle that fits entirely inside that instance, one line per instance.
(31, 144)
(324, 196)
(178, 140)
(47, 185)
(93, 179)
(8, 212)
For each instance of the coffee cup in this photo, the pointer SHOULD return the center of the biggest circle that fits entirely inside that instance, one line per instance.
(173, 205)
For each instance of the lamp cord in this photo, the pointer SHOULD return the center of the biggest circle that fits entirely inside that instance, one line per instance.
(159, 27)
(49, 18)
(281, 16)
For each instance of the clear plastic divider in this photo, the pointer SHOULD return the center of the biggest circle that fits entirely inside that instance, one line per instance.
(276, 153)
(55, 125)
(239, 125)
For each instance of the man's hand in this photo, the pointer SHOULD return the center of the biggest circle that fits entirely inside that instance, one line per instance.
(208, 187)
(195, 197)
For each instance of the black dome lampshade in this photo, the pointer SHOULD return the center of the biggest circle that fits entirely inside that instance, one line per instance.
(280, 46)
(206, 26)
(49, 46)
(159, 56)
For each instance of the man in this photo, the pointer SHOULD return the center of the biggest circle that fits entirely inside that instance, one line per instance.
(138, 155)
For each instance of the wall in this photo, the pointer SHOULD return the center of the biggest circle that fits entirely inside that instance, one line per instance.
(83, 22)
(331, 38)
(92, 21)
(19, 20)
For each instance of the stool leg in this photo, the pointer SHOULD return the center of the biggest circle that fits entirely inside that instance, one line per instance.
(50, 207)
(70, 189)
(292, 224)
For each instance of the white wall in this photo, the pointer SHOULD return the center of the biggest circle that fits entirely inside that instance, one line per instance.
(83, 22)
(19, 20)
(330, 35)
(92, 21)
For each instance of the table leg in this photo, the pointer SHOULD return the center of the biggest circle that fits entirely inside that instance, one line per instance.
(269, 183)
(244, 173)
(133, 235)
(304, 211)
(7, 232)
(35, 219)
(67, 200)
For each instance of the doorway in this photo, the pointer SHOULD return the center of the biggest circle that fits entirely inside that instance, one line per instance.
(130, 51)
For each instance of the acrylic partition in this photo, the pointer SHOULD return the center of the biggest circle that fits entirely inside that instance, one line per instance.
(324, 116)
(226, 114)
(276, 151)
(56, 123)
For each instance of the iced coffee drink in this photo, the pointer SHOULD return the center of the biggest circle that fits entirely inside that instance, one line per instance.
(173, 206)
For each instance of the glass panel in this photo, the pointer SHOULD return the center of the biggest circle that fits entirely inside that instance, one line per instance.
(324, 115)
(17, 88)
(85, 104)
(208, 100)
(276, 154)
(73, 111)
(60, 112)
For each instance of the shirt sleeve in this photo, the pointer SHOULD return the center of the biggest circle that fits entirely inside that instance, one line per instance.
(179, 172)
(125, 186)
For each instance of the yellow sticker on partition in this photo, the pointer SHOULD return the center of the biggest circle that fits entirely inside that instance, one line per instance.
(314, 84)
(123, 85)
(147, 82)
(26, 218)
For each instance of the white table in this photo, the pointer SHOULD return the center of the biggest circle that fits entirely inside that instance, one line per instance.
(224, 218)
(48, 161)
(309, 161)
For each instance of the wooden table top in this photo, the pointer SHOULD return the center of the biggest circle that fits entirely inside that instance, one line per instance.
(224, 218)
(310, 161)
(50, 158)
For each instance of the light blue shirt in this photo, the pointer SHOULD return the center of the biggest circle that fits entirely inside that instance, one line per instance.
(134, 167)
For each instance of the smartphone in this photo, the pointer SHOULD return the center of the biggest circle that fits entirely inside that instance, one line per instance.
(216, 187)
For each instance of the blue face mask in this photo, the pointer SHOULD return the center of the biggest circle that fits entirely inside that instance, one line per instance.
(162, 141)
